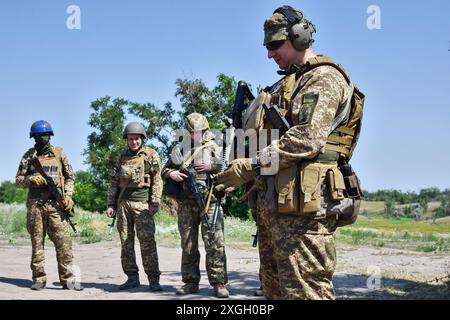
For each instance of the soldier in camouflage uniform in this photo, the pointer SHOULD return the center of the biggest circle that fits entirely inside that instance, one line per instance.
(202, 162)
(135, 195)
(44, 216)
(295, 231)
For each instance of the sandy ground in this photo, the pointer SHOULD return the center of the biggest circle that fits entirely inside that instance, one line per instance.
(99, 266)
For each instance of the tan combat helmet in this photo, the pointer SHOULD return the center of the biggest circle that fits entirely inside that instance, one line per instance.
(134, 128)
(196, 122)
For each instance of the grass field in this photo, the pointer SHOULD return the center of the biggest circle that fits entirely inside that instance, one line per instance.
(371, 228)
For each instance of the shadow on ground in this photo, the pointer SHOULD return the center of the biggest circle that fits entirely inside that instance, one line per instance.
(351, 286)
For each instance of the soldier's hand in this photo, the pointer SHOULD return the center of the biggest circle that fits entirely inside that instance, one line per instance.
(239, 173)
(110, 212)
(153, 209)
(203, 167)
(177, 176)
(38, 181)
(68, 203)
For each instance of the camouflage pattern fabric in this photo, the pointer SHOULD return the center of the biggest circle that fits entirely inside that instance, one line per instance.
(297, 253)
(47, 218)
(323, 92)
(25, 170)
(210, 154)
(189, 221)
(131, 215)
(153, 161)
(189, 218)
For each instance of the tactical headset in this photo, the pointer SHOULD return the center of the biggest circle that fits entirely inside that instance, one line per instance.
(300, 29)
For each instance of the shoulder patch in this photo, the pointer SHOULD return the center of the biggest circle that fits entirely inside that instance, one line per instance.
(309, 102)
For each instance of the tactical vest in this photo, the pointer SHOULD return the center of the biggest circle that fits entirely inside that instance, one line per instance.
(52, 167)
(298, 189)
(136, 170)
(344, 138)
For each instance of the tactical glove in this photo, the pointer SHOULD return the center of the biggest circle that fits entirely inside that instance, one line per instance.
(68, 202)
(239, 173)
(38, 181)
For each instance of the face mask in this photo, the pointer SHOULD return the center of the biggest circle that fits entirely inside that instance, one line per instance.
(42, 145)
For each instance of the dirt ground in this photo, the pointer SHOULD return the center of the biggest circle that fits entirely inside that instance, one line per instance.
(404, 275)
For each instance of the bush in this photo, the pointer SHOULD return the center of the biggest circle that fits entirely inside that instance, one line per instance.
(88, 194)
(9, 193)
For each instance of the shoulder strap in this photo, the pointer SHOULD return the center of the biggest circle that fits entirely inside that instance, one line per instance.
(188, 162)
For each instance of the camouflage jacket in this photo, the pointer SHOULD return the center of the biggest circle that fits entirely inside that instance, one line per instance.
(26, 170)
(151, 157)
(210, 154)
(320, 93)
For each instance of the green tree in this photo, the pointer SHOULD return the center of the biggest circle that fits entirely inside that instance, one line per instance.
(106, 142)
(88, 193)
(214, 103)
(9, 193)
(389, 207)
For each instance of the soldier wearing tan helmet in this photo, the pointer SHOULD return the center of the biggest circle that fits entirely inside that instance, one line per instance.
(44, 214)
(135, 195)
(202, 160)
(300, 207)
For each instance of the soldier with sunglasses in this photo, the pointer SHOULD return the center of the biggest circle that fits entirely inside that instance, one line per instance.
(298, 207)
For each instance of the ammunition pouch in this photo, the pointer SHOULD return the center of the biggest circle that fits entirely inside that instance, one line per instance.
(318, 190)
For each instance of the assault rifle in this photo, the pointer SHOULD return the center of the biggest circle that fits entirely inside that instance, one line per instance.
(193, 189)
(54, 192)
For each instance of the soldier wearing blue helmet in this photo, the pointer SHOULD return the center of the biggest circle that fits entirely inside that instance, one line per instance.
(44, 215)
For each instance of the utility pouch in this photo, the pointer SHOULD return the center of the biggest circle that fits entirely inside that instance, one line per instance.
(287, 189)
(335, 184)
(312, 177)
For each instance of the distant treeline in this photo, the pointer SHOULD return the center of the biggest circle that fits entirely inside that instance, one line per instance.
(429, 194)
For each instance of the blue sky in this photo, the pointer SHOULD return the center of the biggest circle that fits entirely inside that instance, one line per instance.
(137, 49)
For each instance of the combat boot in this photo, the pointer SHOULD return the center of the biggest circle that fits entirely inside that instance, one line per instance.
(37, 286)
(132, 282)
(220, 291)
(154, 286)
(73, 286)
(188, 288)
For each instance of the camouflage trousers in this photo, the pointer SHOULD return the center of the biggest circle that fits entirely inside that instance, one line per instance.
(131, 215)
(189, 221)
(297, 254)
(48, 219)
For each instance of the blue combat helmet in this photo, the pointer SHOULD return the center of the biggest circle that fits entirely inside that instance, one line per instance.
(40, 127)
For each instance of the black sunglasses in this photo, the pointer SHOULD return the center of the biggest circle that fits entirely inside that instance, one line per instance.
(274, 45)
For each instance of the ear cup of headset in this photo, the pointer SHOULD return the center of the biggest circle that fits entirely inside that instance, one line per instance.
(301, 35)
